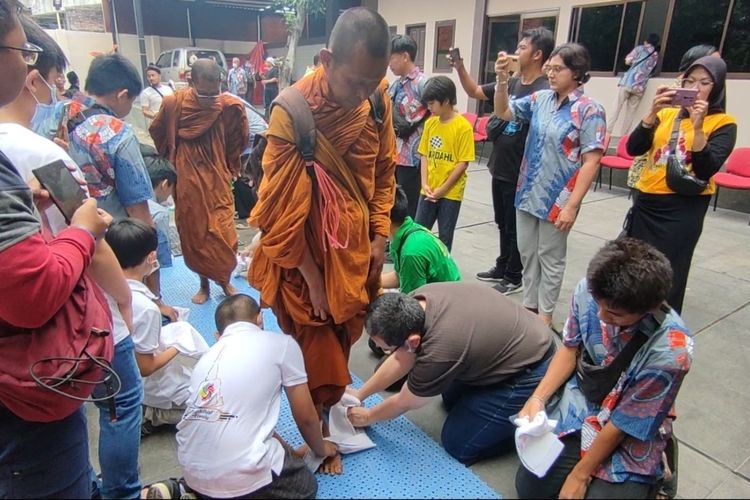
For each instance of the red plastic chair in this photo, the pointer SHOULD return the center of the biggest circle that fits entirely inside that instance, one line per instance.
(620, 161)
(472, 118)
(480, 134)
(737, 175)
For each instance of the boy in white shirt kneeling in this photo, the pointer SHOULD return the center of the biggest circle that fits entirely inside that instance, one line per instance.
(226, 442)
(165, 380)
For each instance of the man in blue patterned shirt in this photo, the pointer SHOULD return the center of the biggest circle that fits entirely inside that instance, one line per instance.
(642, 61)
(409, 114)
(614, 444)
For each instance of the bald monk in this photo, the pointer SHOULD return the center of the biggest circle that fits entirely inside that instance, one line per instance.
(321, 251)
(203, 133)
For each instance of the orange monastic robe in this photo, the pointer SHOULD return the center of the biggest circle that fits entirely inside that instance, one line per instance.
(204, 143)
(289, 216)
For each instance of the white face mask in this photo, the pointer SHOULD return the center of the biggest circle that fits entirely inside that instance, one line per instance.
(154, 267)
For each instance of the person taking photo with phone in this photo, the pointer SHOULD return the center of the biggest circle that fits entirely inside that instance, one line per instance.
(564, 147)
(699, 138)
(508, 144)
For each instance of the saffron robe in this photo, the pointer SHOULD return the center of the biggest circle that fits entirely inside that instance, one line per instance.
(289, 215)
(204, 142)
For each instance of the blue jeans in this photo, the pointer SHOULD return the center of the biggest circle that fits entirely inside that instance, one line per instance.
(44, 460)
(119, 441)
(445, 212)
(478, 424)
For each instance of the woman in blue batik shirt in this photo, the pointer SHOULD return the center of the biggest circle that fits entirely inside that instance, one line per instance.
(561, 159)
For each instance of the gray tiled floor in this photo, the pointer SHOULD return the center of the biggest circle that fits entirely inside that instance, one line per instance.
(715, 400)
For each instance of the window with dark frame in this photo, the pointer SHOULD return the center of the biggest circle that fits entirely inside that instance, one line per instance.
(445, 36)
(418, 33)
(611, 30)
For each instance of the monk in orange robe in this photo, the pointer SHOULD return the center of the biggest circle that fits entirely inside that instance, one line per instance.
(322, 246)
(203, 133)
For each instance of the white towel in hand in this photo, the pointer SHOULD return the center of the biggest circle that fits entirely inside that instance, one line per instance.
(537, 445)
(182, 336)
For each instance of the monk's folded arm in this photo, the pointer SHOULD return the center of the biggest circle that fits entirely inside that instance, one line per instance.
(284, 203)
(385, 180)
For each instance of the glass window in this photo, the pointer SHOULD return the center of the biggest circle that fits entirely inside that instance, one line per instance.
(599, 31)
(315, 26)
(694, 22)
(418, 33)
(164, 60)
(629, 33)
(503, 35)
(736, 47)
(444, 37)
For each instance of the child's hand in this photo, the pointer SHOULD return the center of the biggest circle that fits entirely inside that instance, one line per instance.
(439, 193)
(330, 449)
(427, 191)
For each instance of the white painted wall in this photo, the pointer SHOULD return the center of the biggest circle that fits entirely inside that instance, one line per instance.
(400, 13)
(604, 89)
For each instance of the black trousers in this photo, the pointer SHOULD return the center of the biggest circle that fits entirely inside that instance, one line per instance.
(673, 224)
(503, 202)
(244, 199)
(530, 486)
(410, 180)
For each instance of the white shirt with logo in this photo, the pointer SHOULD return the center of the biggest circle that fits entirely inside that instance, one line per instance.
(225, 442)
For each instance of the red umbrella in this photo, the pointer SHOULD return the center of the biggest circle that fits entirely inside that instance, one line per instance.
(257, 58)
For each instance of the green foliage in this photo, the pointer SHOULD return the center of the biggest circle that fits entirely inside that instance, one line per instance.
(290, 7)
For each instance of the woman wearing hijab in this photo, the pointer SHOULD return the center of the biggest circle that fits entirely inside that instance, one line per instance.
(670, 221)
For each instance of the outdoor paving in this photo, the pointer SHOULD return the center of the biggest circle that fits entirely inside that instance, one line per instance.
(712, 420)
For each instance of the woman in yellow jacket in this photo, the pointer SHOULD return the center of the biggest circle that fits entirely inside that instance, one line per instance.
(670, 221)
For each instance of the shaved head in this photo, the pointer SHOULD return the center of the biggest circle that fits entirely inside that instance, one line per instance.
(356, 26)
(206, 70)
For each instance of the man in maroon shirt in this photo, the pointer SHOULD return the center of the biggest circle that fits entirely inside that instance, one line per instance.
(38, 459)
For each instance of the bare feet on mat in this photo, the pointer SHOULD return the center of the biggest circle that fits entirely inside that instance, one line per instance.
(229, 290)
(201, 297)
(332, 466)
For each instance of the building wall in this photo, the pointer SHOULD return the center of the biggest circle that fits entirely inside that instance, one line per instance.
(467, 34)
(604, 89)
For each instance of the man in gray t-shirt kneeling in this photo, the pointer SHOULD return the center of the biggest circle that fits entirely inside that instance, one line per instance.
(484, 353)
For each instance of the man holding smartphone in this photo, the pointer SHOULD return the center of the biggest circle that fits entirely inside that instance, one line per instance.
(533, 50)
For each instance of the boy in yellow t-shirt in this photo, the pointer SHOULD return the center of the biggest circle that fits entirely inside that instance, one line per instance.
(447, 147)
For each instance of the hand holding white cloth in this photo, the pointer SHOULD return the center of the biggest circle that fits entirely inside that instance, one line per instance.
(537, 445)
(183, 337)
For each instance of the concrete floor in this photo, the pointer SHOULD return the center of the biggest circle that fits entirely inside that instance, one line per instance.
(712, 424)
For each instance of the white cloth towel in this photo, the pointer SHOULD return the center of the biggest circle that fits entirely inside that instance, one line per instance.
(182, 336)
(348, 438)
(537, 445)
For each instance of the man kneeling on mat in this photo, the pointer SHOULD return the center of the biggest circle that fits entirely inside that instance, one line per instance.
(625, 355)
(483, 352)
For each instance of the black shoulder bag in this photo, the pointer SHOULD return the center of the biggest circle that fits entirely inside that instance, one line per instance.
(679, 179)
(596, 381)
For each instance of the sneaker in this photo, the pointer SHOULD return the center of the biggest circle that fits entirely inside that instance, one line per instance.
(147, 428)
(507, 288)
(169, 488)
(493, 274)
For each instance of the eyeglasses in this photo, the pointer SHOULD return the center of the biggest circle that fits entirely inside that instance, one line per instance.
(555, 69)
(29, 51)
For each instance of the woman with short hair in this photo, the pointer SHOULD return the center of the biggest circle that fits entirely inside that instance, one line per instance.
(561, 160)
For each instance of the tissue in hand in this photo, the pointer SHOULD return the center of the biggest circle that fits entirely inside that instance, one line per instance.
(537, 445)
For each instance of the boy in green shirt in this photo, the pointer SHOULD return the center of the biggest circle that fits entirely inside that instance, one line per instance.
(419, 257)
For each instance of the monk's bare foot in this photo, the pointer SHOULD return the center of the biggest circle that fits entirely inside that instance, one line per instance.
(229, 290)
(333, 466)
(301, 451)
(201, 297)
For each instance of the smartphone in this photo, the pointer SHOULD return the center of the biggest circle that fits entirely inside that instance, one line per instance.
(454, 54)
(684, 98)
(63, 188)
(513, 65)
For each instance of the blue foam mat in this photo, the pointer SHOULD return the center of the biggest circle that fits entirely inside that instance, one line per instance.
(405, 464)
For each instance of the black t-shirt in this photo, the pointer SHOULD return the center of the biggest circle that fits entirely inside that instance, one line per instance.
(272, 73)
(507, 151)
